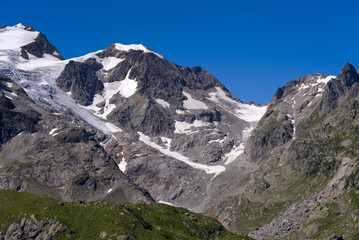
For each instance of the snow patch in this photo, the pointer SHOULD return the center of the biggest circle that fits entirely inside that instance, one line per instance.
(110, 62)
(186, 128)
(191, 103)
(162, 102)
(167, 203)
(126, 88)
(9, 84)
(122, 166)
(135, 47)
(208, 169)
(246, 112)
(326, 79)
(166, 141)
(180, 111)
(234, 153)
(112, 128)
(53, 131)
(8, 94)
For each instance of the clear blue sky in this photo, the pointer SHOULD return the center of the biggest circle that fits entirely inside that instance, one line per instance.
(252, 47)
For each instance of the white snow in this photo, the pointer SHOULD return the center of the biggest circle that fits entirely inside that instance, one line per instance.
(162, 102)
(208, 169)
(167, 203)
(191, 103)
(9, 84)
(13, 94)
(326, 79)
(319, 81)
(246, 133)
(180, 111)
(126, 88)
(53, 131)
(234, 153)
(110, 62)
(16, 37)
(112, 128)
(34, 62)
(246, 112)
(135, 47)
(185, 128)
(122, 165)
(167, 141)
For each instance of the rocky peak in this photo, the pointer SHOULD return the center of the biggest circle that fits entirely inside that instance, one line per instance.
(40, 47)
(337, 89)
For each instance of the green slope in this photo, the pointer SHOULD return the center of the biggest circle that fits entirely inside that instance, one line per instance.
(110, 220)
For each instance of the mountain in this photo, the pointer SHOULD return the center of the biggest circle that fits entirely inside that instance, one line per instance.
(297, 177)
(124, 124)
(170, 129)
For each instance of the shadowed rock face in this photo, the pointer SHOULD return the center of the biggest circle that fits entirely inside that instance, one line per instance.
(14, 118)
(338, 89)
(81, 80)
(39, 47)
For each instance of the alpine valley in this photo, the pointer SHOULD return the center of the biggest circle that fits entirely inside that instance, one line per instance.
(89, 145)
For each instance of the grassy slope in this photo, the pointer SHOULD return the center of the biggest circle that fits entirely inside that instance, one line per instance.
(87, 221)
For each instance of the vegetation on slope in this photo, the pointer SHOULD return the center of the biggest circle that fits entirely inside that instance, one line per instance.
(108, 220)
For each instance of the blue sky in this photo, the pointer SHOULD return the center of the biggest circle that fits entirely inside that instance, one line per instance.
(252, 47)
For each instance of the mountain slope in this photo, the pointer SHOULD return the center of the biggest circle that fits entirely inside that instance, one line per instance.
(171, 129)
(306, 156)
(28, 216)
(47, 154)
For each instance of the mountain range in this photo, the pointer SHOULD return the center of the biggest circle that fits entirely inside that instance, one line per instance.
(123, 124)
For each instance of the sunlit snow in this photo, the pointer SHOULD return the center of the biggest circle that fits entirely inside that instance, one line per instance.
(208, 169)
(16, 37)
(246, 112)
(162, 102)
(234, 153)
(135, 47)
(110, 62)
(185, 128)
(191, 103)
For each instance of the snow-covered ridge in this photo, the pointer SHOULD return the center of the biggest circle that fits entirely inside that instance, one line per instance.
(135, 47)
(13, 38)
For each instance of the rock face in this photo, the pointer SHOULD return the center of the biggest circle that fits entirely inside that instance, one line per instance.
(39, 47)
(33, 229)
(14, 120)
(336, 91)
(67, 164)
(81, 80)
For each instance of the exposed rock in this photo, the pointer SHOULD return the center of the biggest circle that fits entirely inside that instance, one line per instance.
(81, 80)
(39, 47)
(33, 229)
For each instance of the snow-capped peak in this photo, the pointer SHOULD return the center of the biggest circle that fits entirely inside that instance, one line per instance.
(15, 37)
(135, 47)
(20, 26)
